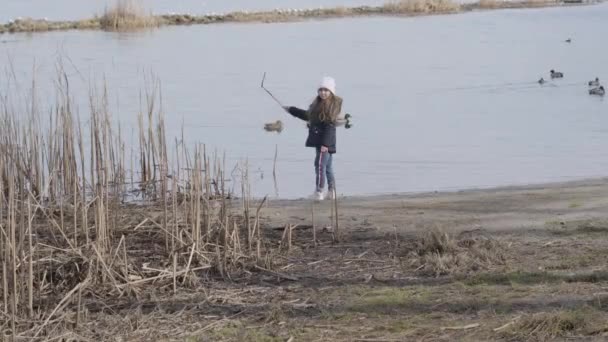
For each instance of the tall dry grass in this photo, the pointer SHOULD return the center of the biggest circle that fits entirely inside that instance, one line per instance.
(127, 15)
(439, 253)
(552, 326)
(70, 230)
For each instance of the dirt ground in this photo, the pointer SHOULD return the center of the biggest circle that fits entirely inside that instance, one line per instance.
(508, 264)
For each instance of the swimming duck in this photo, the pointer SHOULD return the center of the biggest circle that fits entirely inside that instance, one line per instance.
(597, 91)
(541, 81)
(594, 83)
(556, 74)
(274, 126)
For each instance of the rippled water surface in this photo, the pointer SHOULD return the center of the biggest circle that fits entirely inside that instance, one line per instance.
(439, 103)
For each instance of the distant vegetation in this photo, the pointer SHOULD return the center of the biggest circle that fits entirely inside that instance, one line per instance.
(127, 15)
(130, 15)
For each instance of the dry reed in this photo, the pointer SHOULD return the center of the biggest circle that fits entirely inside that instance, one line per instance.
(438, 253)
(489, 4)
(67, 232)
(550, 326)
(127, 15)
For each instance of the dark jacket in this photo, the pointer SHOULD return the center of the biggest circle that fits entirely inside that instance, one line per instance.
(319, 133)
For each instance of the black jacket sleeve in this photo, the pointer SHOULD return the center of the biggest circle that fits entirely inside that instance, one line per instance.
(299, 113)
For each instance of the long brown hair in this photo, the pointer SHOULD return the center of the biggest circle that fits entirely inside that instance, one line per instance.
(326, 111)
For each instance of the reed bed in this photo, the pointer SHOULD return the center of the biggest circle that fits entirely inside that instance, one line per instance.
(127, 15)
(84, 220)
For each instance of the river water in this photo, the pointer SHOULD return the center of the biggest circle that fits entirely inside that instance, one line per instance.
(439, 102)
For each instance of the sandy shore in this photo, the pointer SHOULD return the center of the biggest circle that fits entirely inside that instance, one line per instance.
(498, 209)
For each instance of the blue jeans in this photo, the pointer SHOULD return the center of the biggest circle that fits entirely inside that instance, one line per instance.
(323, 170)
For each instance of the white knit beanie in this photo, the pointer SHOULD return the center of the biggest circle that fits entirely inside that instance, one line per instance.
(328, 83)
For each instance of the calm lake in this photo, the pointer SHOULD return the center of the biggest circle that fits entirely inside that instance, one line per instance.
(439, 103)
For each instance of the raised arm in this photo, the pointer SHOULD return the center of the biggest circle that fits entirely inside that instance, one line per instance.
(297, 112)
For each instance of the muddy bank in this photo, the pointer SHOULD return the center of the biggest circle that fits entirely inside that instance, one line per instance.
(498, 209)
(517, 263)
(408, 8)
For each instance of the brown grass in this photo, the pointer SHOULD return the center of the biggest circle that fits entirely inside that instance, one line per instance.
(551, 325)
(538, 3)
(29, 25)
(489, 4)
(127, 15)
(421, 6)
(71, 232)
(438, 253)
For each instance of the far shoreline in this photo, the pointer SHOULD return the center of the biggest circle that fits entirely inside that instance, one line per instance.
(411, 8)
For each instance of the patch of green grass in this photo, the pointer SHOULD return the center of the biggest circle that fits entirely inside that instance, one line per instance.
(553, 223)
(512, 278)
(530, 278)
(592, 228)
(394, 296)
(236, 331)
(339, 316)
(548, 326)
(594, 277)
(576, 227)
(385, 300)
(494, 292)
(396, 326)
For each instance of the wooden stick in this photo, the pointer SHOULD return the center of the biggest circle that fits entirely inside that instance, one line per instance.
(189, 261)
(289, 237)
(269, 93)
(274, 170)
(336, 212)
(283, 238)
(464, 327)
(314, 228)
(175, 272)
(507, 324)
(280, 275)
(30, 280)
(162, 276)
(256, 228)
(108, 271)
(78, 309)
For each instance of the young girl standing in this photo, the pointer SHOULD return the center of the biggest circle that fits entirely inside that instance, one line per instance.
(322, 117)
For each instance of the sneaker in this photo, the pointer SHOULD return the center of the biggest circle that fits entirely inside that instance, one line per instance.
(318, 196)
(331, 195)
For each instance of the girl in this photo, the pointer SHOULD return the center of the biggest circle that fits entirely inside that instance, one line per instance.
(322, 117)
